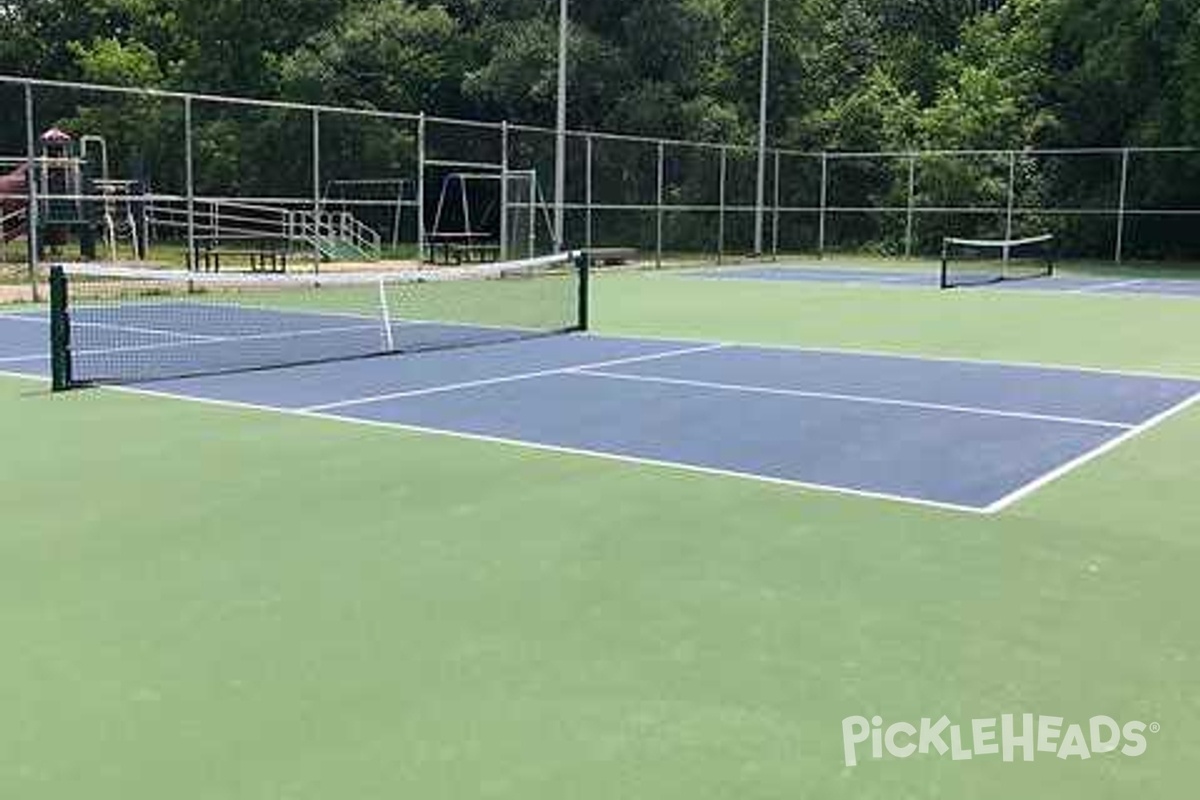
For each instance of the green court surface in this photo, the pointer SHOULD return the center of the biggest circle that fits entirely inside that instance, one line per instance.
(200, 602)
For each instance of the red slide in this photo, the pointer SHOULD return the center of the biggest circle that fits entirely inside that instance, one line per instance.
(13, 193)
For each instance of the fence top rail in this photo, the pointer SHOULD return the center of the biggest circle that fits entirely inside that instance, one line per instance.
(1030, 151)
(149, 92)
(170, 94)
(463, 123)
(580, 133)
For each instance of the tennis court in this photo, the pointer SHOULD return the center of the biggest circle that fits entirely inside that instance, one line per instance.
(968, 436)
(851, 276)
(719, 521)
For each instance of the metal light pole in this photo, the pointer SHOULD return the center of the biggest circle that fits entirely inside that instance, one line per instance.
(762, 129)
(560, 155)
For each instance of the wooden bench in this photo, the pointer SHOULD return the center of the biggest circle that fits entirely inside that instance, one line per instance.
(259, 259)
(457, 248)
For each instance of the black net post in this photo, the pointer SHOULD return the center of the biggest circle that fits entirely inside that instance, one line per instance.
(583, 262)
(60, 331)
(945, 272)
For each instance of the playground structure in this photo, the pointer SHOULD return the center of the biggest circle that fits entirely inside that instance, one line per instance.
(391, 195)
(75, 198)
(13, 207)
(484, 216)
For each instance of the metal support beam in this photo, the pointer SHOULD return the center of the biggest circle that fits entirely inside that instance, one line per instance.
(503, 191)
(588, 191)
(912, 207)
(824, 204)
(316, 189)
(560, 158)
(33, 215)
(1009, 221)
(422, 251)
(189, 167)
(764, 94)
(722, 183)
(1121, 206)
(775, 218)
(658, 205)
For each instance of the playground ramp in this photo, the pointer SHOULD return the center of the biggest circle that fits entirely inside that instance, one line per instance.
(13, 204)
(336, 236)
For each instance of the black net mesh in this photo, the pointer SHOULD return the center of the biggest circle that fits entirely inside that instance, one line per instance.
(135, 325)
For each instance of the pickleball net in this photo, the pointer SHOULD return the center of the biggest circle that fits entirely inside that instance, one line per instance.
(977, 262)
(123, 325)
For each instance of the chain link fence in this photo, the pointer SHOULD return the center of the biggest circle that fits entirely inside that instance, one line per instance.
(158, 175)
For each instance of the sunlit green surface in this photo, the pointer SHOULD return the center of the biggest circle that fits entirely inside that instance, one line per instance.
(200, 602)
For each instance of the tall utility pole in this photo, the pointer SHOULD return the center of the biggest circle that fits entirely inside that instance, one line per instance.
(762, 129)
(560, 155)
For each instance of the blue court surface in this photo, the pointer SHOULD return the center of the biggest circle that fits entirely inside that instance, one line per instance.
(854, 276)
(968, 436)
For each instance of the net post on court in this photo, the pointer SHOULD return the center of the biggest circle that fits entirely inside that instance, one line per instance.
(583, 268)
(60, 331)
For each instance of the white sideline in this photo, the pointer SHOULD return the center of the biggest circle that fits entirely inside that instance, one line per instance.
(319, 412)
(546, 448)
(1092, 455)
(1100, 288)
(991, 362)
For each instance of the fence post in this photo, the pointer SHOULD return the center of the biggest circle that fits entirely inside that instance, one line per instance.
(189, 166)
(912, 206)
(1124, 193)
(775, 216)
(722, 184)
(421, 244)
(588, 193)
(1012, 195)
(658, 247)
(504, 191)
(33, 216)
(316, 189)
(824, 204)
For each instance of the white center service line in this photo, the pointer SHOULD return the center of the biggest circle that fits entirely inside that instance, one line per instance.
(1109, 287)
(599, 372)
(524, 376)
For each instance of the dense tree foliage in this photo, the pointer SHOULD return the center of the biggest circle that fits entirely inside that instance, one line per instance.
(846, 73)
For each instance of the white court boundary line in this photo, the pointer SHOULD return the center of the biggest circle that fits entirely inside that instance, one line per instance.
(850, 351)
(1101, 288)
(851, 398)
(1104, 449)
(837, 277)
(998, 506)
(674, 466)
